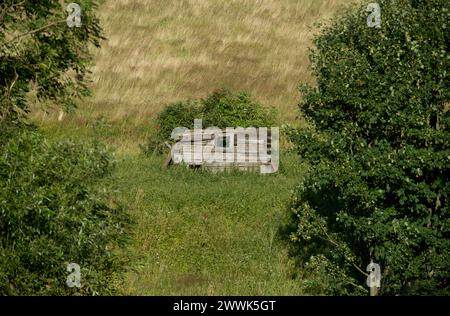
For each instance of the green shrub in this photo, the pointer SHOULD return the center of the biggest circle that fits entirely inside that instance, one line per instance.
(222, 109)
(53, 211)
(174, 115)
(379, 150)
(226, 109)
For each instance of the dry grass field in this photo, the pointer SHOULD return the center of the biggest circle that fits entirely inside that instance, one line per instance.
(163, 51)
(160, 51)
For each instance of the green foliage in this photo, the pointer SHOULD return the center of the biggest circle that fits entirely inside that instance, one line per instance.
(379, 150)
(173, 116)
(222, 109)
(53, 211)
(226, 109)
(40, 52)
(214, 233)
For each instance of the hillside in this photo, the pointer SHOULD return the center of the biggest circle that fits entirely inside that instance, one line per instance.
(197, 234)
(158, 52)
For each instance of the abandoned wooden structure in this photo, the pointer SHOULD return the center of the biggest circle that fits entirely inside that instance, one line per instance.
(239, 148)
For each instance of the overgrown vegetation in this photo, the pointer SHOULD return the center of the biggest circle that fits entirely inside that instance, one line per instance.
(54, 212)
(39, 53)
(53, 208)
(221, 109)
(378, 148)
(379, 152)
(199, 233)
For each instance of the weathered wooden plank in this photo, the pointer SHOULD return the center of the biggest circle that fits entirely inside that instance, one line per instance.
(220, 152)
(197, 147)
(236, 164)
(253, 143)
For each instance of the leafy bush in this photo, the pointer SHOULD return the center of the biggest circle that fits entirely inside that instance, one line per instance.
(53, 212)
(222, 109)
(174, 115)
(225, 109)
(379, 153)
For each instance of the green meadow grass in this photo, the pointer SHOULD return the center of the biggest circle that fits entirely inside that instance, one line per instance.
(198, 232)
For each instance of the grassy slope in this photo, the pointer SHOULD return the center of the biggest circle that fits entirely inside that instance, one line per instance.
(197, 233)
(204, 234)
(162, 51)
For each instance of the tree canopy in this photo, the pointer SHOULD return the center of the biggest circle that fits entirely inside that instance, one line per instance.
(379, 150)
(39, 52)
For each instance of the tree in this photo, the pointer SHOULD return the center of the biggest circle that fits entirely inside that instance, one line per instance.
(56, 210)
(39, 51)
(379, 150)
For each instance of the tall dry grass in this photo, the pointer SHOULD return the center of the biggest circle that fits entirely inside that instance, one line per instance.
(160, 51)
